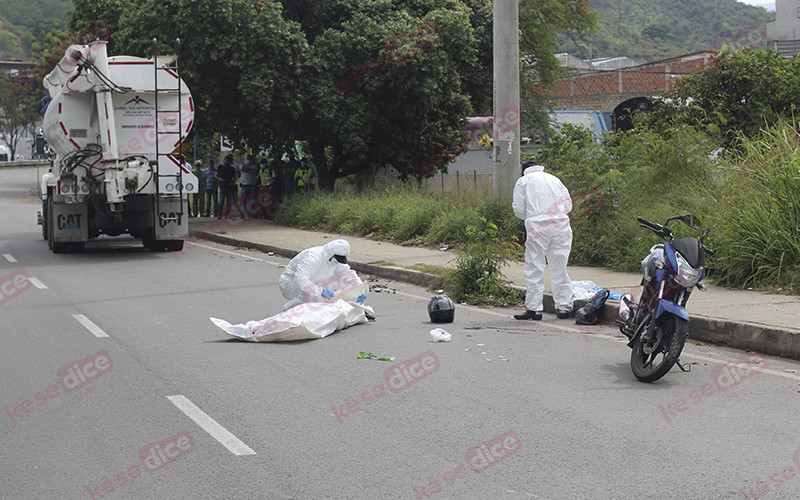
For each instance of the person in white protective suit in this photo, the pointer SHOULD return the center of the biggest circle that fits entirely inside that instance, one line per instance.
(543, 202)
(299, 281)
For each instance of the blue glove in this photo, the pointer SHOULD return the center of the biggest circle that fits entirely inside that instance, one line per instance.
(362, 298)
(327, 294)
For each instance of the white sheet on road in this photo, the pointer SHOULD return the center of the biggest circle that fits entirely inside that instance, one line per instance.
(313, 320)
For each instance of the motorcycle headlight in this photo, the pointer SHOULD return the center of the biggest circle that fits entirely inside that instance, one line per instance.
(687, 276)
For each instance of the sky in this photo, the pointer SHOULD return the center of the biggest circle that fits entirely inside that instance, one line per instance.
(769, 4)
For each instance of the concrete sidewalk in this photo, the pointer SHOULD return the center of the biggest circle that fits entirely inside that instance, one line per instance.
(737, 318)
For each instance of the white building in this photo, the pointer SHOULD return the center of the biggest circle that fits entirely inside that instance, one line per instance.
(783, 34)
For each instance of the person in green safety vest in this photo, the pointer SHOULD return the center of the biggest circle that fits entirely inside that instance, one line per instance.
(302, 176)
(264, 173)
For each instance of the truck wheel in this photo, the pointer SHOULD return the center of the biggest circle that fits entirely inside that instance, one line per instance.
(49, 223)
(44, 220)
(175, 245)
(154, 245)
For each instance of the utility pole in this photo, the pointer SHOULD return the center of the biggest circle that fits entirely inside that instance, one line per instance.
(506, 97)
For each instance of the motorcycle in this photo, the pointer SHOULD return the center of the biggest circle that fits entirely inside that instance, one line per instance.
(656, 322)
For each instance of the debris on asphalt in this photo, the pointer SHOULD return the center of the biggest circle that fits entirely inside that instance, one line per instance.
(369, 355)
(439, 335)
(381, 288)
(444, 248)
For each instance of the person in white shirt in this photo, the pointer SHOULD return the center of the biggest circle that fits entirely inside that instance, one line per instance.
(249, 179)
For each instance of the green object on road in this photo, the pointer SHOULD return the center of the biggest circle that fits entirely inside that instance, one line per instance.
(369, 355)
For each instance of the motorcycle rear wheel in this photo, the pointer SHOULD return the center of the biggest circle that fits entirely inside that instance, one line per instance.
(649, 365)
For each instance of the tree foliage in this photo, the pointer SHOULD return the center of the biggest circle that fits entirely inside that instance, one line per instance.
(37, 17)
(659, 29)
(541, 23)
(383, 87)
(14, 41)
(367, 83)
(741, 92)
(19, 108)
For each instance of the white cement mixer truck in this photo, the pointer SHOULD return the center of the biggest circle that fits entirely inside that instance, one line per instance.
(116, 125)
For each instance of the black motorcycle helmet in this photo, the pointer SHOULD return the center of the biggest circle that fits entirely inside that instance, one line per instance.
(441, 309)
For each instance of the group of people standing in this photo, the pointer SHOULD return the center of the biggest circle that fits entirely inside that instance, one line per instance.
(222, 187)
(229, 185)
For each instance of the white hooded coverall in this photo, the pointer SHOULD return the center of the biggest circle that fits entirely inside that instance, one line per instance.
(299, 280)
(543, 202)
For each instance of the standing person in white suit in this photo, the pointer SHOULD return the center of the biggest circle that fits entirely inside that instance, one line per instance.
(543, 202)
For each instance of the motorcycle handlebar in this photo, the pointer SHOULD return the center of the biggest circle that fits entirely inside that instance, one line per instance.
(656, 228)
(647, 223)
(666, 233)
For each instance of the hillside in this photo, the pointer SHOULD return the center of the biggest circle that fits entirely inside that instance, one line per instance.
(654, 29)
(23, 20)
(659, 29)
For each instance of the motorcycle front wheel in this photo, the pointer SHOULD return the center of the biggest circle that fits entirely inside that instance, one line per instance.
(651, 360)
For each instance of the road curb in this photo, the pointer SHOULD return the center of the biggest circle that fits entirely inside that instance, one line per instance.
(740, 335)
(418, 278)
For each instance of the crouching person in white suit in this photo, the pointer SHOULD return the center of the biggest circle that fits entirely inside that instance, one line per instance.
(320, 274)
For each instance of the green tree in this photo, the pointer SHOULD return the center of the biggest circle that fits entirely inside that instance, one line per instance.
(383, 86)
(14, 41)
(541, 23)
(19, 110)
(367, 83)
(38, 17)
(741, 92)
(239, 58)
(659, 29)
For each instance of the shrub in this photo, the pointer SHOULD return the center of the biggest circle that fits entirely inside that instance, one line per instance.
(477, 276)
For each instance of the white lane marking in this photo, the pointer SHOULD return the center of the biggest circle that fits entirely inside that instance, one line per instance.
(277, 264)
(211, 426)
(9, 257)
(86, 322)
(38, 284)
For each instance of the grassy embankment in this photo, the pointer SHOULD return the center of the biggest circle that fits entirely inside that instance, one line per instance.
(749, 198)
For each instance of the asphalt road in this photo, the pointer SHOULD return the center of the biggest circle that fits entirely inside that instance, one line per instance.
(165, 406)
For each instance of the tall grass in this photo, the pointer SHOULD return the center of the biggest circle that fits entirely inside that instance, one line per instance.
(760, 214)
(405, 214)
(750, 200)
